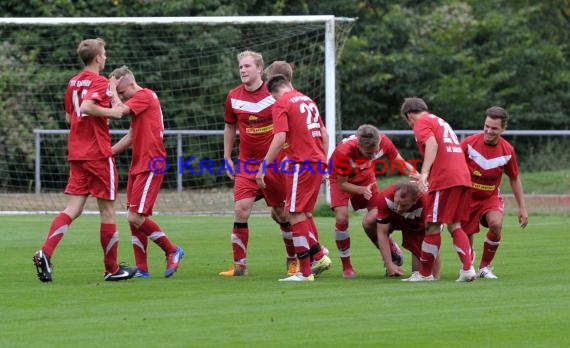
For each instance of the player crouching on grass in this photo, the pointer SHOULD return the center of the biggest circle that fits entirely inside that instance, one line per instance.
(402, 207)
(145, 136)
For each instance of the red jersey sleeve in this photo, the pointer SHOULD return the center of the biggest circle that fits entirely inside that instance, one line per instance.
(384, 211)
(512, 167)
(137, 104)
(229, 116)
(388, 147)
(280, 121)
(68, 101)
(98, 91)
(423, 129)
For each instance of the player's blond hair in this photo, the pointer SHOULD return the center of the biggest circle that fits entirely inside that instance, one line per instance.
(279, 67)
(257, 57)
(122, 71)
(368, 136)
(89, 49)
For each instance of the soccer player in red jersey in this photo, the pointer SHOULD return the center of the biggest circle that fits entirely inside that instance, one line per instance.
(248, 108)
(488, 156)
(92, 167)
(402, 207)
(298, 123)
(143, 185)
(352, 178)
(281, 67)
(446, 179)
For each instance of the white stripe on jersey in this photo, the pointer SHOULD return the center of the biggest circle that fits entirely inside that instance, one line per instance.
(112, 177)
(487, 163)
(435, 206)
(252, 107)
(145, 192)
(294, 189)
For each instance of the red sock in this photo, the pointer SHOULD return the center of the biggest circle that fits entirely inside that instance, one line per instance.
(154, 232)
(288, 240)
(57, 229)
(110, 244)
(430, 250)
(342, 239)
(313, 228)
(490, 247)
(462, 246)
(140, 242)
(301, 241)
(240, 238)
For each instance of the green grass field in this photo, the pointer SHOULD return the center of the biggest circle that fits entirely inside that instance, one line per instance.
(529, 306)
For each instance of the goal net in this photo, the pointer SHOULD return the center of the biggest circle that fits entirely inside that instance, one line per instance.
(191, 64)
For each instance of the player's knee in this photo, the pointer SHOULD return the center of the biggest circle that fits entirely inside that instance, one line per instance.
(495, 226)
(135, 219)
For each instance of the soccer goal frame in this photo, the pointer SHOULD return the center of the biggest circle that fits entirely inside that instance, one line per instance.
(37, 168)
(327, 20)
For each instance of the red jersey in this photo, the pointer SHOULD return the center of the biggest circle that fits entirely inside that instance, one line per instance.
(449, 168)
(347, 151)
(413, 219)
(146, 127)
(298, 116)
(89, 137)
(251, 110)
(487, 163)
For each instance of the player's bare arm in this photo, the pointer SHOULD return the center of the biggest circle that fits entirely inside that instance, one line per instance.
(517, 188)
(346, 186)
(123, 144)
(408, 168)
(91, 108)
(429, 159)
(382, 233)
(229, 140)
(274, 148)
(325, 136)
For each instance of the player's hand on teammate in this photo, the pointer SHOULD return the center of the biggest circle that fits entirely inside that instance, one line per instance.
(423, 183)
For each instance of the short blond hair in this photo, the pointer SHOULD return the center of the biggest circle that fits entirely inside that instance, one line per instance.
(89, 49)
(257, 57)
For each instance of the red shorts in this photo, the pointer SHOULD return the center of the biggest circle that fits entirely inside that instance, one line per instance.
(142, 190)
(303, 189)
(340, 198)
(412, 239)
(245, 186)
(448, 205)
(478, 210)
(98, 178)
